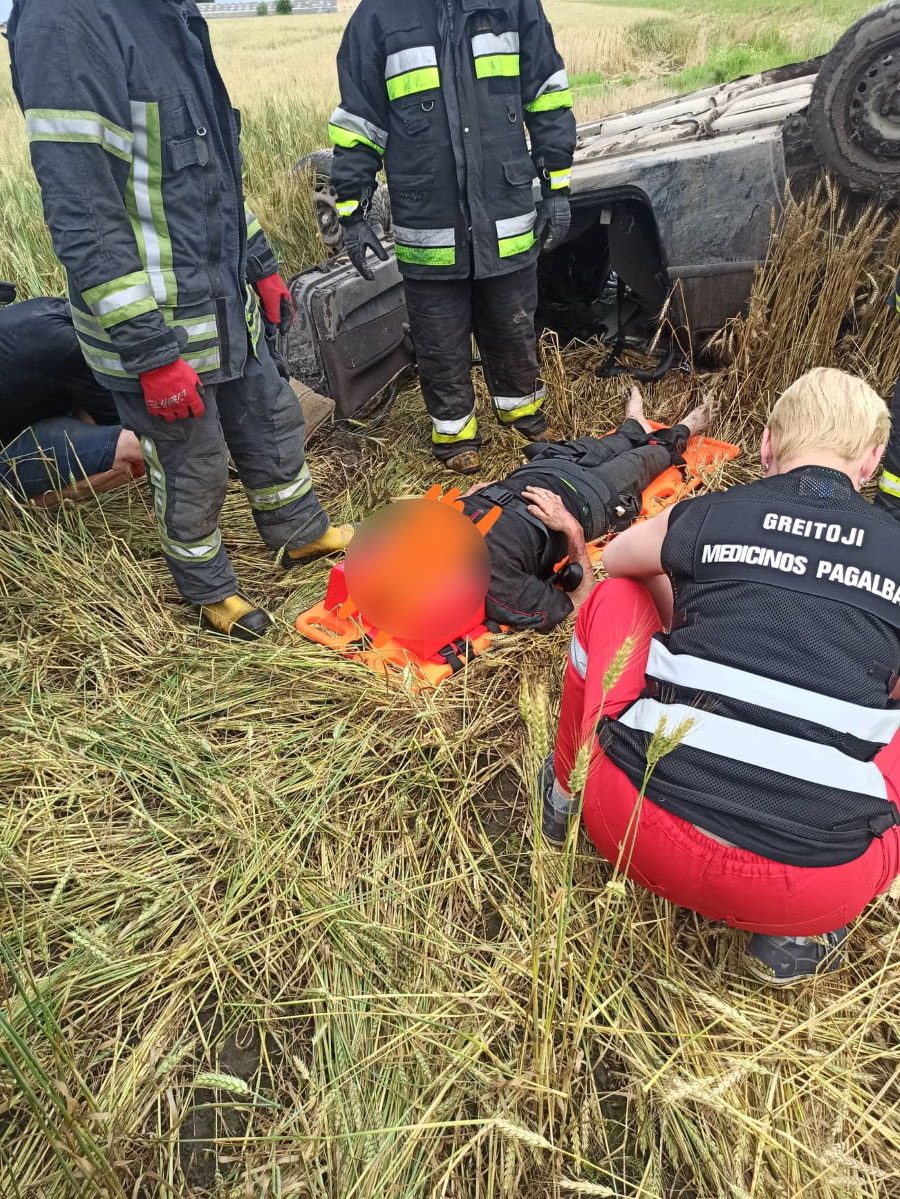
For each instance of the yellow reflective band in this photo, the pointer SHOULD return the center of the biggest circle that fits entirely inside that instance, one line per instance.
(78, 126)
(493, 66)
(408, 84)
(466, 433)
(529, 409)
(889, 483)
(183, 551)
(426, 255)
(551, 100)
(346, 207)
(340, 137)
(269, 499)
(144, 201)
(560, 179)
(508, 247)
(121, 299)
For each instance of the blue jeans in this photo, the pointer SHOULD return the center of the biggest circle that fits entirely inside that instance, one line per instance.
(52, 454)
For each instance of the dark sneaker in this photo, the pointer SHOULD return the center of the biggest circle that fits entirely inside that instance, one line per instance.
(782, 961)
(558, 810)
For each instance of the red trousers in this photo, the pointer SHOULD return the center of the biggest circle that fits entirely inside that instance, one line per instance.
(666, 854)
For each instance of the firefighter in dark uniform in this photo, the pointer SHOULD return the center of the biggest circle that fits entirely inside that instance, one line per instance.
(440, 92)
(136, 148)
(738, 667)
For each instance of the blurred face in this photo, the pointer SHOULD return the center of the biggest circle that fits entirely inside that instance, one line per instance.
(418, 570)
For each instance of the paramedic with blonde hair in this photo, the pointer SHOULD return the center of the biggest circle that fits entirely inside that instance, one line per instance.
(728, 692)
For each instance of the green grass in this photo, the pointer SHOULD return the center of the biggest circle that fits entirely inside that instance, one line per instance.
(732, 62)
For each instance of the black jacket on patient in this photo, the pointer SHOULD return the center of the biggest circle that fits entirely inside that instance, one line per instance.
(42, 371)
(599, 479)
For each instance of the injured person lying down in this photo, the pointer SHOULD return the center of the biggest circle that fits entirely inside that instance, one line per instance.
(569, 493)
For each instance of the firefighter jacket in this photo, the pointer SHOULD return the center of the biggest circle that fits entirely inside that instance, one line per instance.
(135, 146)
(440, 92)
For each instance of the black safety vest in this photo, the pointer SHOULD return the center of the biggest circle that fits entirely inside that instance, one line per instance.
(777, 675)
(594, 499)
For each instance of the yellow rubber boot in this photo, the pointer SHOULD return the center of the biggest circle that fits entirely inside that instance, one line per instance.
(236, 617)
(334, 540)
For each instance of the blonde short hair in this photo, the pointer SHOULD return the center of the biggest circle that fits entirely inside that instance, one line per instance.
(828, 409)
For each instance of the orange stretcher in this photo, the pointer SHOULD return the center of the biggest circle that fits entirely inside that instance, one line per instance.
(337, 624)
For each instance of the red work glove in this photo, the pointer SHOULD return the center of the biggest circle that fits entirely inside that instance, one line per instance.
(278, 305)
(173, 392)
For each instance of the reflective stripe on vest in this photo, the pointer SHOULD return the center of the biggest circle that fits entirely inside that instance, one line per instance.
(712, 678)
(121, 299)
(348, 130)
(496, 55)
(107, 362)
(198, 328)
(79, 126)
(144, 201)
(553, 93)
(738, 741)
(425, 247)
(407, 72)
(515, 235)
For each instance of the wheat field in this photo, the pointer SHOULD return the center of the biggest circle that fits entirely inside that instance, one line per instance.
(270, 929)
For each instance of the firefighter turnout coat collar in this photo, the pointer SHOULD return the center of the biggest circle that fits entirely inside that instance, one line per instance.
(136, 148)
(440, 93)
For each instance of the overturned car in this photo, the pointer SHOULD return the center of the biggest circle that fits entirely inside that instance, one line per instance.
(672, 211)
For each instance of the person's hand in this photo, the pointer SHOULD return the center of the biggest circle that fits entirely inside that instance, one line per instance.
(128, 457)
(173, 392)
(549, 508)
(359, 237)
(277, 302)
(553, 219)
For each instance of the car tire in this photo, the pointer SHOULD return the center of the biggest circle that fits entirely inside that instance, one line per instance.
(318, 164)
(854, 112)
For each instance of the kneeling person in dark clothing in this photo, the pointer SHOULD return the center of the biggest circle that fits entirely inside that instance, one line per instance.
(58, 427)
(568, 494)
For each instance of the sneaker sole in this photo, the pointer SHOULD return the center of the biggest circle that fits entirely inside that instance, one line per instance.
(759, 972)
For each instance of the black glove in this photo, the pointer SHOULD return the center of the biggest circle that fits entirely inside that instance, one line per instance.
(553, 219)
(359, 236)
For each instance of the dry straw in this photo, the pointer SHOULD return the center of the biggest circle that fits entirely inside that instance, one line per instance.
(258, 864)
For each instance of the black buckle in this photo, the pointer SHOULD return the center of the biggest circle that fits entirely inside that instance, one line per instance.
(457, 654)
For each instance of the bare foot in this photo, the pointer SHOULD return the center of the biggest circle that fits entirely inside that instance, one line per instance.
(634, 407)
(697, 420)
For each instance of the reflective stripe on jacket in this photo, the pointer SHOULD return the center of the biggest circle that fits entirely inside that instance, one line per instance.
(136, 149)
(440, 92)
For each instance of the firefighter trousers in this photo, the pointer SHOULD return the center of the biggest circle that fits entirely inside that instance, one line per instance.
(888, 497)
(443, 316)
(257, 418)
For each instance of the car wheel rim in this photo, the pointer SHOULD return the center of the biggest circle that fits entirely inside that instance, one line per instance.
(874, 104)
